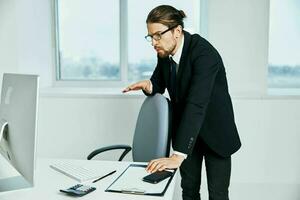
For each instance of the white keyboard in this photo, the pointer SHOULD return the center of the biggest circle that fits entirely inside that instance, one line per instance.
(75, 171)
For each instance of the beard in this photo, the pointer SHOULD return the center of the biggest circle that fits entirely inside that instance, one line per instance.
(162, 53)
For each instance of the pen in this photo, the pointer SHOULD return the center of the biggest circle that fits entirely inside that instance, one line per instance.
(104, 176)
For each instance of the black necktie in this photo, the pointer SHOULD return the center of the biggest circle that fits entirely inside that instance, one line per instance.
(173, 79)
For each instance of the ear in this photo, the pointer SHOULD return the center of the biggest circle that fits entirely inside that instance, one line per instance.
(178, 31)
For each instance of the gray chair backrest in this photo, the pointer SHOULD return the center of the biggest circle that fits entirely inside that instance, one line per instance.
(151, 136)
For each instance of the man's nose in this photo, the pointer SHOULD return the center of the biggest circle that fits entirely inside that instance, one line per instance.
(153, 42)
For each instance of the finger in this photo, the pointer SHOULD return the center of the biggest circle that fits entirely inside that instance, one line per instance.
(125, 90)
(158, 166)
(136, 87)
(128, 88)
(167, 164)
(131, 87)
(153, 166)
(164, 165)
(149, 165)
(162, 168)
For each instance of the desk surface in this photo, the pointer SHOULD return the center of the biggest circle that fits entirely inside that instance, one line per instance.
(49, 182)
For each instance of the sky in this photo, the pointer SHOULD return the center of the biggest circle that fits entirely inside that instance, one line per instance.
(95, 27)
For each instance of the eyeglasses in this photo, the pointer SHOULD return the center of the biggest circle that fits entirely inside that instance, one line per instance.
(157, 36)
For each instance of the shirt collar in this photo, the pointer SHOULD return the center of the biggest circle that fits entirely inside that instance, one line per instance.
(177, 55)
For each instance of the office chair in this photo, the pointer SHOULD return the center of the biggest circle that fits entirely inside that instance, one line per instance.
(151, 137)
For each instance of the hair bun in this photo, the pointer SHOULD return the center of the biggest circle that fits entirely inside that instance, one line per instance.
(182, 13)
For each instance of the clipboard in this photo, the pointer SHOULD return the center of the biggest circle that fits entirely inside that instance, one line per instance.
(130, 182)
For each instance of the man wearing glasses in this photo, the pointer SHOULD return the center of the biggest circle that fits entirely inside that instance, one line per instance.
(203, 122)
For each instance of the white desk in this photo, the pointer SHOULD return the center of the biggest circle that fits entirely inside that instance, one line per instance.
(49, 182)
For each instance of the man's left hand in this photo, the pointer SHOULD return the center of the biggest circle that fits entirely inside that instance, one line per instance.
(173, 162)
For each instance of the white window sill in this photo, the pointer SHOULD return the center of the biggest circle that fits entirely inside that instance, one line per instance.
(110, 92)
(88, 92)
(284, 92)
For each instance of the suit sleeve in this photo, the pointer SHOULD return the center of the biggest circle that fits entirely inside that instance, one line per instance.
(205, 68)
(157, 80)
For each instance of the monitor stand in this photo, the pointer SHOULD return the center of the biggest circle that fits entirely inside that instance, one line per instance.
(13, 183)
(10, 179)
(3, 129)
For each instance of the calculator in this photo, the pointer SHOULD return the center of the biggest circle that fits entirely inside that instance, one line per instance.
(78, 190)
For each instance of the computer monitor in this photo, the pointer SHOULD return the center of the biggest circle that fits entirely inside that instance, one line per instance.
(18, 126)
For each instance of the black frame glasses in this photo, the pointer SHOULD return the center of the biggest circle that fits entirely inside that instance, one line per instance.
(157, 36)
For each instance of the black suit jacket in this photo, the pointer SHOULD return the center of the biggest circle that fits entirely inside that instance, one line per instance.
(202, 106)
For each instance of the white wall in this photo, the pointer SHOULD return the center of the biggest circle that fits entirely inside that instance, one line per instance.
(8, 42)
(26, 38)
(239, 30)
(71, 125)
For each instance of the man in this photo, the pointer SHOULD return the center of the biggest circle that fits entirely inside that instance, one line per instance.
(202, 119)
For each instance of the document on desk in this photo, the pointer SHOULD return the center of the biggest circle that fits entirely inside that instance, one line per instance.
(131, 182)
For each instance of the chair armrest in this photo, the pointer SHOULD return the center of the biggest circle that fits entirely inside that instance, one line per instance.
(126, 148)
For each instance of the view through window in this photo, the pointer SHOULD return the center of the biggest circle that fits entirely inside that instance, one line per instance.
(89, 44)
(88, 40)
(284, 44)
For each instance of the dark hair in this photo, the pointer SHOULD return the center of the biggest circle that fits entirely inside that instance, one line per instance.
(166, 15)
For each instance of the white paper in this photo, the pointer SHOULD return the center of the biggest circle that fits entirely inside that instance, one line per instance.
(132, 180)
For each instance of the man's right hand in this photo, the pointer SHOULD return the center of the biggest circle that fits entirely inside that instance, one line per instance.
(145, 85)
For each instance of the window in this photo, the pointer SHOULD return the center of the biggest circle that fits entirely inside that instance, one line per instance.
(88, 40)
(284, 44)
(104, 41)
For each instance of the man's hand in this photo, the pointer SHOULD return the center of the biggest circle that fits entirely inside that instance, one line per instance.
(141, 85)
(161, 164)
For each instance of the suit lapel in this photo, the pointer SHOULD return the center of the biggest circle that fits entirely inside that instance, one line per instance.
(183, 59)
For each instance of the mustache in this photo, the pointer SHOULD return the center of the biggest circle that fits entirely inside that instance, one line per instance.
(157, 48)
